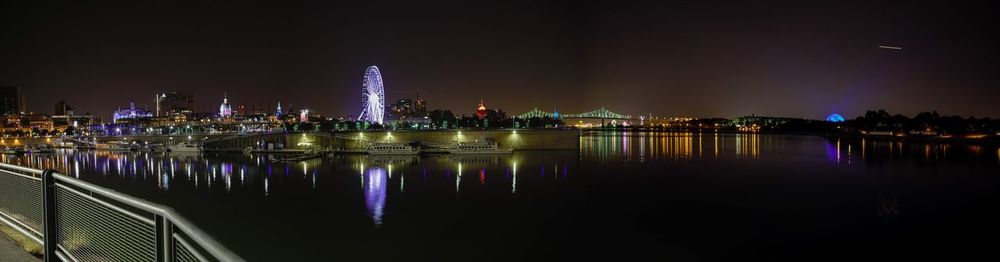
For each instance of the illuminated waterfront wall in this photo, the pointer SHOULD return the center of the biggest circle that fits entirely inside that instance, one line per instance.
(515, 139)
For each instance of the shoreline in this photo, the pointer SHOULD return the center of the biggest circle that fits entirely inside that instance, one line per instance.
(911, 138)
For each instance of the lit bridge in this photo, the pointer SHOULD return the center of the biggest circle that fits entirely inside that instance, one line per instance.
(602, 113)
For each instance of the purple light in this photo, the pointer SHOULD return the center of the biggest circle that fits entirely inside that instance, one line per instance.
(375, 185)
(225, 110)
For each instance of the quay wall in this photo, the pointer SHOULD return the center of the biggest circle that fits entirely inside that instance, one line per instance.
(359, 140)
(520, 139)
(523, 139)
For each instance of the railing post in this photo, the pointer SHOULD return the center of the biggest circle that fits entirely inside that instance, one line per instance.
(50, 232)
(164, 237)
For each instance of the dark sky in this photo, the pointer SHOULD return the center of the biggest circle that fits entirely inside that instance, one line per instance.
(675, 58)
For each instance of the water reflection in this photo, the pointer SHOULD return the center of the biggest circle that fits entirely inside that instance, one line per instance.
(878, 151)
(375, 180)
(683, 147)
(672, 146)
(178, 176)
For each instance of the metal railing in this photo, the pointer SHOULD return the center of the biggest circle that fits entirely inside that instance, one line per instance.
(79, 221)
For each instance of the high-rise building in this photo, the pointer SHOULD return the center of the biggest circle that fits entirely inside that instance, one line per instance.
(11, 100)
(403, 108)
(419, 107)
(174, 103)
(63, 109)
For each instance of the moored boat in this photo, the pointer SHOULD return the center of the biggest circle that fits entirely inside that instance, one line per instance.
(191, 147)
(392, 149)
(84, 146)
(477, 148)
(41, 149)
(9, 150)
(115, 146)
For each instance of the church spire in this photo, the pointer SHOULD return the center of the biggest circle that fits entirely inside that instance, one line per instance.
(277, 111)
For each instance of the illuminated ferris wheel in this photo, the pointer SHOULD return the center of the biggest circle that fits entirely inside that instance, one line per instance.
(372, 97)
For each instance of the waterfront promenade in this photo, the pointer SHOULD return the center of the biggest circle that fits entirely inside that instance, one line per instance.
(11, 252)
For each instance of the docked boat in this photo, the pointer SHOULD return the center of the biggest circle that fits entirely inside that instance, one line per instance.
(115, 146)
(152, 147)
(41, 149)
(477, 148)
(9, 150)
(84, 146)
(297, 158)
(392, 149)
(62, 143)
(190, 147)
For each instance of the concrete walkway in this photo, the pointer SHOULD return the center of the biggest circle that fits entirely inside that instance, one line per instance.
(10, 251)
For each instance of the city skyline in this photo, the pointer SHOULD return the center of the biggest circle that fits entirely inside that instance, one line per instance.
(514, 130)
(692, 59)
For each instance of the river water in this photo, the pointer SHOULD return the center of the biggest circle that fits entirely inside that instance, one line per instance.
(622, 196)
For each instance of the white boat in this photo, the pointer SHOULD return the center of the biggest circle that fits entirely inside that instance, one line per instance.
(477, 148)
(392, 149)
(115, 146)
(186, 147)
(61, 143)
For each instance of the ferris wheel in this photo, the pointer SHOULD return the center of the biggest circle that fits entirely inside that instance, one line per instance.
(372, 97)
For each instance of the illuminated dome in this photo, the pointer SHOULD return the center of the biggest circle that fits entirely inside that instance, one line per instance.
(836, 118)
(481, 110)
(225, 110)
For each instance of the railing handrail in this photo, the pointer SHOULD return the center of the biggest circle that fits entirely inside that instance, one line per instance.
(21, 168)
(203, 240)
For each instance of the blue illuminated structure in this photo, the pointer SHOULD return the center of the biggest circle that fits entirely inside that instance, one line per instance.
(836, 118)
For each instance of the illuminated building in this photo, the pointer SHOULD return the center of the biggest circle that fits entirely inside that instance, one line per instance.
(174, 103)
(40, 122)
(403, 108)
(130, 113)
(304, 116)
(419, 107)
(61, 122)
(406, 108)
(225, 110)
(481, 110)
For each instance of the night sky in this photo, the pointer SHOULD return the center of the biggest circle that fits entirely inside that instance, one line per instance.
(683, 58)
